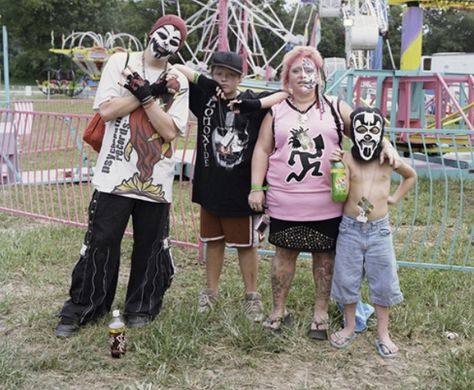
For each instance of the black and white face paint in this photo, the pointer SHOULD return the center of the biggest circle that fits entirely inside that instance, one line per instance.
(165, 41)
(309, 74)
(367, 131)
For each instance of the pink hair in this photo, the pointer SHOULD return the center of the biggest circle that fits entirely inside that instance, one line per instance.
(294, 55)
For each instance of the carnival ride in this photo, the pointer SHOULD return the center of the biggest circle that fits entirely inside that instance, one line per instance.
(451, 97)
(421, 101)
(411, 99)
(412, 26)
(236, 25)
(60, 79)
(89, 51)
(366, 25)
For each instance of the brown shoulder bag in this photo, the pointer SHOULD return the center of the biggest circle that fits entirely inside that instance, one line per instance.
(95, 129)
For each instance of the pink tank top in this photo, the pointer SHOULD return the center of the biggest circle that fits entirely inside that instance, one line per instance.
(298, 169)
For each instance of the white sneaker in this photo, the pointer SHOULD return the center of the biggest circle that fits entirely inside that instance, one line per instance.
(207, 299)
(253, 307)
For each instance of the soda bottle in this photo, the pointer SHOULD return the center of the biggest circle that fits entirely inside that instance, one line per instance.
(117, 335)
(339, 184)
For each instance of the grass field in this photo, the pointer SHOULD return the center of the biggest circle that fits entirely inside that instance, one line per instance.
(183, 350)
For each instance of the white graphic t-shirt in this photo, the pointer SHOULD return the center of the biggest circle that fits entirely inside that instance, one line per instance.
(134, 161)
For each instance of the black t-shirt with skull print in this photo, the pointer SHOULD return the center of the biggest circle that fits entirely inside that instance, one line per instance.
(225, 144)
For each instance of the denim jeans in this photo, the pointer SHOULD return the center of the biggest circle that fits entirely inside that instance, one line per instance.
(365, 249)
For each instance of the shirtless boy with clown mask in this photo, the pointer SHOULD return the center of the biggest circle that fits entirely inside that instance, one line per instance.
(364, 246)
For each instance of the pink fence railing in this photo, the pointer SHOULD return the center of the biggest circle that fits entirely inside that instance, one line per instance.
(46, 171)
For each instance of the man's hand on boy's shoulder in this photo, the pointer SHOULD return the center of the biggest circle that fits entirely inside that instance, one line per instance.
(210, 86)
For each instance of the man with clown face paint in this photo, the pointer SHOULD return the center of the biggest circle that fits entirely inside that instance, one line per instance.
(144, 104)
(364, 245)
(165, 41)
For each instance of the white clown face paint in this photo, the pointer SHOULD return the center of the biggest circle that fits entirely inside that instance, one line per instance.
(165, 41)
(309, 73)
(367, 133)
(303, 76)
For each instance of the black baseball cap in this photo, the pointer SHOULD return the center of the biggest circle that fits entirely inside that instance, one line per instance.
(227, 59)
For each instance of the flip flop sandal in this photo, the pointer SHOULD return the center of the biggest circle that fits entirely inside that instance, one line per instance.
(318, 334)
(338, 341)
(276, 324)
(384, 351)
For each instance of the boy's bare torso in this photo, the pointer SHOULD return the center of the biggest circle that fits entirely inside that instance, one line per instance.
(369, 181)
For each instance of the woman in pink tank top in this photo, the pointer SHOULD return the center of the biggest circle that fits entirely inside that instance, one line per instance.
(292, 154)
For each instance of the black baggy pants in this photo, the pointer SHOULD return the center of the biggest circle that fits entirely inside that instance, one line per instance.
(94, 278)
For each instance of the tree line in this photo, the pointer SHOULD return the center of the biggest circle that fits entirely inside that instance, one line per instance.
(30, 22)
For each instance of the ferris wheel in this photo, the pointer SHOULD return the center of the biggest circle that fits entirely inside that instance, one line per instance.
(236, 25)
(365, 23)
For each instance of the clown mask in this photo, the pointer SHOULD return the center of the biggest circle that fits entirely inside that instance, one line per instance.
(165, 41)
(367, 127)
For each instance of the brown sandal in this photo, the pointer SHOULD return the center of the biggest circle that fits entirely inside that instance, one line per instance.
(318, 333)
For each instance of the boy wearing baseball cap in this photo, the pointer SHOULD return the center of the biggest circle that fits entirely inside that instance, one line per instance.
(228, 125)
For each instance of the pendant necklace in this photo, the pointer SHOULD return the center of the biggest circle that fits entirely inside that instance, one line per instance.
(364, 205)
(302, 114)
(302, 118)
(143, 64)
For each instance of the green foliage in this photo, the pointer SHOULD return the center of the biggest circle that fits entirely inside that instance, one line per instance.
(394, 37)
(332, 34)
(449, 31)
(456, 371)
(30, 23)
